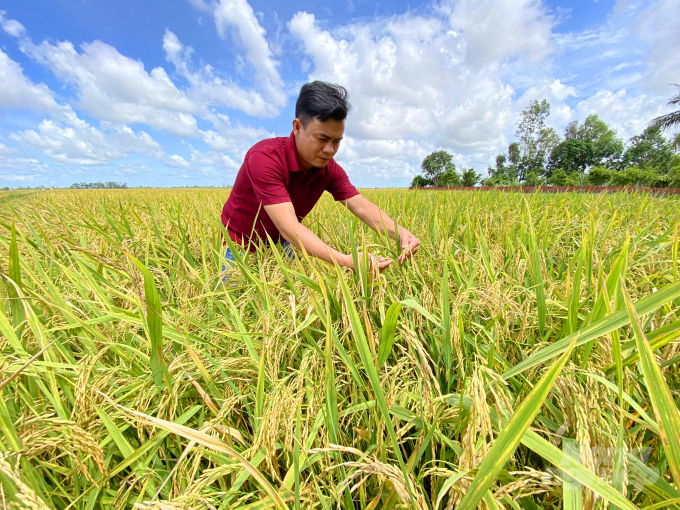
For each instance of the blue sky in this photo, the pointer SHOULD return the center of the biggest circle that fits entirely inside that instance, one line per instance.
(174, 93)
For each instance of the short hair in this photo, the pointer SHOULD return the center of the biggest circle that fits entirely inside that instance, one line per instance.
(322, 100)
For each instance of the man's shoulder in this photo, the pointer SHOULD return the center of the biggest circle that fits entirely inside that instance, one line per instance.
(334, 168)
(267, 146)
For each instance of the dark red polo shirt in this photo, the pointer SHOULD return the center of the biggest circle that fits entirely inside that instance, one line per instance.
(271, 174)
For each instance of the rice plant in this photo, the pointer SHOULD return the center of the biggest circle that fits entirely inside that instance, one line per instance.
(527, 358)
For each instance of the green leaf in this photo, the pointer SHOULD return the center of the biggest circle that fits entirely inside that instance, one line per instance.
(16, 304)
(369, 366)
(600, 328)
(665, 410)
(388, 332)
(507, 441)
(154, 323)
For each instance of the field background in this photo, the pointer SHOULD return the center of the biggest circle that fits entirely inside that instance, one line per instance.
(302, 377)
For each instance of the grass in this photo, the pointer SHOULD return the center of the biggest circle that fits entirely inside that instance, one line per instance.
(527, 358)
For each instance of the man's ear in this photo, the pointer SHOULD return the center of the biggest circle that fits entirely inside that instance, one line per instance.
(297, 126)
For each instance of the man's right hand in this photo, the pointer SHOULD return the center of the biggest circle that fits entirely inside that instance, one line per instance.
(380, 262)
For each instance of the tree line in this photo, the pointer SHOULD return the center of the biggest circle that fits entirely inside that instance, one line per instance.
(99, 185)
(588, 153)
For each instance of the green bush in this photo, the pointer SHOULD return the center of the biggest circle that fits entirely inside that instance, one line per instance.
(420, 182)
(533, 179)
(470, 177)
(560, 177)
(599, 176)
(449, 178)
(635, 176)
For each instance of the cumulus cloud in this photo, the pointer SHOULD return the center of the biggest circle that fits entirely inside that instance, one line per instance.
(378, 161)
(11, 26)
(410, 80)
(495, 30)
(659, 26)
(17, 91)
(213, 159)
(627, 113)
(116, 88)
(237, 18)
(76, 142)
(208, 88)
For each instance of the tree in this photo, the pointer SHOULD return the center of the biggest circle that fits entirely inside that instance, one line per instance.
(670, 119)
(470, 177)
(514, 153)
(602, 146)
(636, 176)
(571, 155)
(450, 177)
(599, 176)
(607, 146)
(649, 150)
(420, 182)
(437, 164)
(534, 179)
(536, 141)
(674, 172)
(675, 142)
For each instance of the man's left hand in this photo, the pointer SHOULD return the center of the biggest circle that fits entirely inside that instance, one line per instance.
(410, 245)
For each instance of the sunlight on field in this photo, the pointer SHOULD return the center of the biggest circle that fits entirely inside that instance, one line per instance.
(302, 385)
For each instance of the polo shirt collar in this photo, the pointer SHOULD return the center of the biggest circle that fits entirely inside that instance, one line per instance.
(292, 156)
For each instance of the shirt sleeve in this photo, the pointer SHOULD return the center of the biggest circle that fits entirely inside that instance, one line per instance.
(266, 176)
(339, 185)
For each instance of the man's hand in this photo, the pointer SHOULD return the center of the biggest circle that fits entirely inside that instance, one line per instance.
(379, 221)
(410, 245)
(379, 263)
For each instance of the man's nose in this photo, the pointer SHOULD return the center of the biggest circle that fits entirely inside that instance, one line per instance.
(328, 148)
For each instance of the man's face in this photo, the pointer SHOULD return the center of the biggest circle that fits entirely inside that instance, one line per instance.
(318, 142)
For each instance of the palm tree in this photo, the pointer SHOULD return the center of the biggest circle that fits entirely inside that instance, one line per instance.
(675, 142)
(670, 119)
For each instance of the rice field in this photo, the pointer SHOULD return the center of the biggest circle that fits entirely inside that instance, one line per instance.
(527, 358)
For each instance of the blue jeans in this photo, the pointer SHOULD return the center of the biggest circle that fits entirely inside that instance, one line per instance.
(229, 256)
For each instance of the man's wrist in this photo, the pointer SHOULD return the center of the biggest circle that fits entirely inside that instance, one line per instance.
(345, 260)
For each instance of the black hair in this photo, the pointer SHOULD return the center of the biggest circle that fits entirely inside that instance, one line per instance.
(322, 100)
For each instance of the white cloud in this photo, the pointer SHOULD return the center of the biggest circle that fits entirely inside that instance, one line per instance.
(4, 150)
(627, 113)
(116, 88)
(495, 30)
(659, 26)
(238, 15)
(208, 88)
(11, 26)
(177, 161)
(382, 160)
(556, 93)
(134, 169)
(213, 159)
(235, 18)
(409, 80)
(75, 142)
(232, 137)
(21, 168)
(17, 91)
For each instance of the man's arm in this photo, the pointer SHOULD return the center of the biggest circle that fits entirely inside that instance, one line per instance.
(283, 216)
(375, 218)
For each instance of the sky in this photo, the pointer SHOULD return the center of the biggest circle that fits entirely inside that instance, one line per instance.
(174, 92)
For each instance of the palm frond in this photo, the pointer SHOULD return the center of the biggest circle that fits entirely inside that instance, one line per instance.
(666, 121)
(670, 119)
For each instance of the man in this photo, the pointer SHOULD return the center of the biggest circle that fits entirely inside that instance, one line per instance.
(281, 180)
